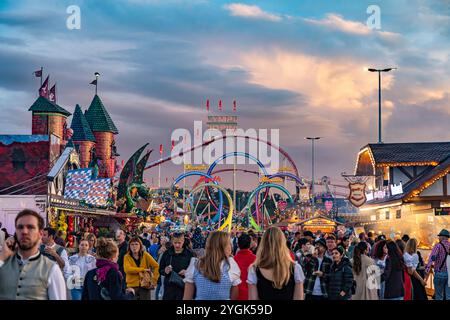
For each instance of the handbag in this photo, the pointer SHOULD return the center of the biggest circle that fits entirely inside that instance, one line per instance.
(145, 280)
(175, 279)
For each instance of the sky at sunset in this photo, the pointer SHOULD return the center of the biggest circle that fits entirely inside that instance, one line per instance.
(296, 66)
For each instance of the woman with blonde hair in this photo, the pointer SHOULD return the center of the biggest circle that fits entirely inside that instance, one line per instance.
(106, 281)
(92, 240)
(136, 263)
(275, 275)
(216, 275)
(412, 262)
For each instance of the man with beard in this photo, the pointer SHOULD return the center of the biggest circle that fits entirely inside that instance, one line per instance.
(26, 274)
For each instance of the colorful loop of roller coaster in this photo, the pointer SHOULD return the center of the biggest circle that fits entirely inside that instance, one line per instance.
(228, 221)
(276, 175)
(206, 175)
(255, 192)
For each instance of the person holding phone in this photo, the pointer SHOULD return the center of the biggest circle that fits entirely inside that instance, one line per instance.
(25, 273)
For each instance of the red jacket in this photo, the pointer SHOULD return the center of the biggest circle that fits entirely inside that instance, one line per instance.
(244, 258)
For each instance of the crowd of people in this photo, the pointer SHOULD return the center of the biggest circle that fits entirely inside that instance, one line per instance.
(273, 265)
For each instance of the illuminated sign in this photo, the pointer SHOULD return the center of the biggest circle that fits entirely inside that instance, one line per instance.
(271, 180)
(442, 211)
(190, 167)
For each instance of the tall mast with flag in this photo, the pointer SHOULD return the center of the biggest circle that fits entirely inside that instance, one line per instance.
(52, 94)
(159, 166)
(95, 82)
(43, 90)
(38, 74)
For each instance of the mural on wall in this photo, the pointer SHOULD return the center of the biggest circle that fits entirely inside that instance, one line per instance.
(24, 158)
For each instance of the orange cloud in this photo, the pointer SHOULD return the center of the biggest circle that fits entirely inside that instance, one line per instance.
(329, 83)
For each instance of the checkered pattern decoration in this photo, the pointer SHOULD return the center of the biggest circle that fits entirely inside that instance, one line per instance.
(81, 186)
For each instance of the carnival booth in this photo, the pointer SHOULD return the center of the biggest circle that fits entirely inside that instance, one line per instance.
(320, 223)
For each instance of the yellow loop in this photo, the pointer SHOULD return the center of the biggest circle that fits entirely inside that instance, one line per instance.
(229, 219)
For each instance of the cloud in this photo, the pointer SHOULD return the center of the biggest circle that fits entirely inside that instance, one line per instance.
(324, 82)
(251, 11)
(337, 22)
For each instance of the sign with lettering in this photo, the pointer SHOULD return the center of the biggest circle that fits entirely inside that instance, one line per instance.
(442, 211)
(271, 180)
(190, 167)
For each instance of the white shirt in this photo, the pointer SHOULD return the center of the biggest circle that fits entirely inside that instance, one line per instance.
(56, 288)
(411, 260)
(299, 276)
(233, 272)
(317, 290)
(79, 266)
(65, 258)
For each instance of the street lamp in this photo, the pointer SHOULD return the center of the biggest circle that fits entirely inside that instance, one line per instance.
(313, 139)
(379, 96)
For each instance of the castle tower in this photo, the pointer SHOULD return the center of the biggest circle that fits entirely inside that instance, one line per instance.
(104, 130)
(49, 118)
(82, 138)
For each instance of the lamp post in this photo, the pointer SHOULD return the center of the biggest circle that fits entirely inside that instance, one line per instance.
(313, 139)
(379, 96)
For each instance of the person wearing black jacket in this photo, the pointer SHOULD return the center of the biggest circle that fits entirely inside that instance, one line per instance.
(106, 281)
(176, 259)
(393, 274)
(340, 279)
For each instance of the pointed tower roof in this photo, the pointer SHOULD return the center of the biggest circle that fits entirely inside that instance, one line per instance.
(44, 105)
(80, 127)
(98, 118)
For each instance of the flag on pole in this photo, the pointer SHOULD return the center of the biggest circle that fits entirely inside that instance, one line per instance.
(161, 149)
(220, 105)
(166, 179)
(234, 106)
(52, 94)
(207, 105)
(43, 90)
(38, 74)
(173, 144)
(94, 82)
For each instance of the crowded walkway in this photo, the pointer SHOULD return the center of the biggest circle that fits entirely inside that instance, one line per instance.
(146, 264)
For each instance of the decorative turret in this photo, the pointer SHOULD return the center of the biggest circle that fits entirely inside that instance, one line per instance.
(82, 138)
(48, 117)
(104, 130)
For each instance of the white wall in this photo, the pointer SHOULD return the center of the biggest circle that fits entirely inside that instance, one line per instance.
(434, 190)
(400, 176)
(11, 205)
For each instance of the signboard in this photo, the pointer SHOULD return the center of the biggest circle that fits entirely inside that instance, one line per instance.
(271, 180)
(190, 167)
(222, 122)
(357, 195)
(442, 211)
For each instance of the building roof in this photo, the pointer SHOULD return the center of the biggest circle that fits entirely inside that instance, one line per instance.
(44, 105)
(7, 139)
(80, 127)
(422, 152)
(98, 118)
